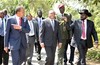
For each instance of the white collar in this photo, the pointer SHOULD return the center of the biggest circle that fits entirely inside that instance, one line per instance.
(17, 17)
(39, 18)
(50, 19)
(84, 20)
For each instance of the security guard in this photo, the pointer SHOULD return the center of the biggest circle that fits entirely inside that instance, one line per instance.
(66, 33)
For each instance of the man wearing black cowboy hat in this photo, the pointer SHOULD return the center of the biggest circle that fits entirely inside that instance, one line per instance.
(83, 30)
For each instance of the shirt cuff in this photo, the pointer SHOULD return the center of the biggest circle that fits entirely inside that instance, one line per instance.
(96, 42)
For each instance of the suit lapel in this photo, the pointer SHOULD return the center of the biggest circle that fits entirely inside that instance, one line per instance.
(87, 26)
(80, 25)
(49, 23)
(55, 25)
(34, 25)
(22, 22)
(37, 22)
(15, 20)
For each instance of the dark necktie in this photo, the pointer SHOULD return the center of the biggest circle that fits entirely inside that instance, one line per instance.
(20, 21)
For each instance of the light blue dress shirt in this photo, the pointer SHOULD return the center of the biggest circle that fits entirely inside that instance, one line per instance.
(2, 26)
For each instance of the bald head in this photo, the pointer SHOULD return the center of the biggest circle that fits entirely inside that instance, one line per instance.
(5, 11)
(39, 13)
(51, 14)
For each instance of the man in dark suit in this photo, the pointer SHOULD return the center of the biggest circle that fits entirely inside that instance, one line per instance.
(15, 37)
(83, 30)
(39, 20)
(32, 36)
(50, 36)
(4, 57)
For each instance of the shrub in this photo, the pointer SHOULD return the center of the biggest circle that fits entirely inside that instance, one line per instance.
(93, 54)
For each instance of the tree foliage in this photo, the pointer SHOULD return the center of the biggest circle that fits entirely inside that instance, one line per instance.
(92, 5)
(30, 5)
(93, 1)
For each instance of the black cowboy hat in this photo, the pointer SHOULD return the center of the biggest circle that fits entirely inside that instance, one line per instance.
(85, 11)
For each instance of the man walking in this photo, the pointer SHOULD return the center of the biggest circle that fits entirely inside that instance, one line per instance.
(39, 20)
(32, 36)
(4, 57)
(15, 37)
(50, 36)
(66, 36)
(83, 30)
(66, 33)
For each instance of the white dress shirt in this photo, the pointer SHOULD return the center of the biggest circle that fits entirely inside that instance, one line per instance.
(52, 24)
(85, 23)
(31, 33)
(40, 22)
(2, 29)
(6, 17)
(18, 19)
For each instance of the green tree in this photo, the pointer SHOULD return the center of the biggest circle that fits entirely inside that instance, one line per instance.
(30, 5)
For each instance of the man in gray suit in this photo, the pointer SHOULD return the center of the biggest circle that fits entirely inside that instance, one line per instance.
(83, 30)
(15, 37)
(32, 36)
(50, 36)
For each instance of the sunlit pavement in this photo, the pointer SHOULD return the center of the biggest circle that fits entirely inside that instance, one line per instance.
(43, 55)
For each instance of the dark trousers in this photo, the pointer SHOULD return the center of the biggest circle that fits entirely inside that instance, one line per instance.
(4, 57)
(38, 48)
(19, 55)
(82, 48)
(30, 48)
(72, 49)
(50, 51)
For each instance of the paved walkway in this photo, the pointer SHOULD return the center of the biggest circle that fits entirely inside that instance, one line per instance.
(35, 62)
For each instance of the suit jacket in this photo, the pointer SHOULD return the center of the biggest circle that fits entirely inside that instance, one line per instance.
(15, 38)
(48, 36)
(38, 25)
(77, 32)
(37, 18)
(36, 31)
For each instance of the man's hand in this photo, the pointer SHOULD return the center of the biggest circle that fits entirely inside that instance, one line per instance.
(17, 27)
(42, 45)
(6, 49)
(59, 45)
(96, 45)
